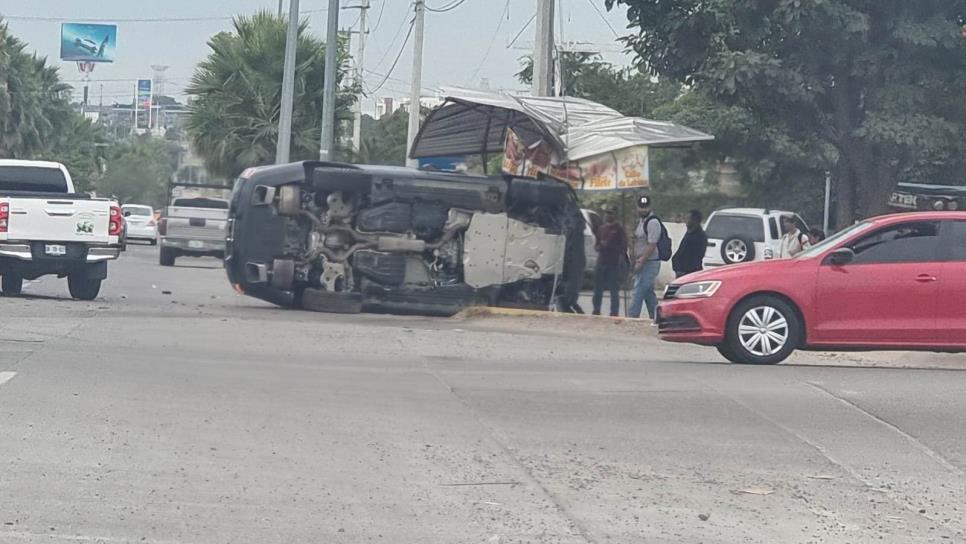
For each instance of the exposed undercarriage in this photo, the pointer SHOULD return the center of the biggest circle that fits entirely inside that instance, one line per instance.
(387, 239)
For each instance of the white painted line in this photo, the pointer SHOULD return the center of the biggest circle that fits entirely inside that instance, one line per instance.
(6, 377)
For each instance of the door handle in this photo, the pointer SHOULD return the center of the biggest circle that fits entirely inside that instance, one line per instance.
(925, 278)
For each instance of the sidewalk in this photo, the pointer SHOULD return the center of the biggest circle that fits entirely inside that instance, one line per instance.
(586, 302)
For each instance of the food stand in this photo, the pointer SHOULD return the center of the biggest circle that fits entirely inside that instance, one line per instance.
(585, 144)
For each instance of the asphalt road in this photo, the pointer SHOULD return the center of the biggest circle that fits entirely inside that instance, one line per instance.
(172, 410)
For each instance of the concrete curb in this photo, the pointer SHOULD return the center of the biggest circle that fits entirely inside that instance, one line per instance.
(577, 320)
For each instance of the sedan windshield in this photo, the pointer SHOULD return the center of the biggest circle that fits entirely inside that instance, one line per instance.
(820, 247)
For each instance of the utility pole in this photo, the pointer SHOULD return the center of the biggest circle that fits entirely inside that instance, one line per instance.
(543, 49)
(282, 148)
(327, 142)
(417, 75)
(360, 63)
(280, 8)
(828, 202)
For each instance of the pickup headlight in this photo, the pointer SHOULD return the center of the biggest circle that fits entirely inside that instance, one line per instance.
(698, 289)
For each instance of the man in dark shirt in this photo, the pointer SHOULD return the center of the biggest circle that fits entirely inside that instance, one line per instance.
(690, 254)
(611, 254)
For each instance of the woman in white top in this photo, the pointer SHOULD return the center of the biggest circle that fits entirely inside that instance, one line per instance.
(793, 241)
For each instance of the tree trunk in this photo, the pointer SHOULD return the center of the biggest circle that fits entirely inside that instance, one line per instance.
(843, 188)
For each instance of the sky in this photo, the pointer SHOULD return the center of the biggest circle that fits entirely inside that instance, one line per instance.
(462, 46)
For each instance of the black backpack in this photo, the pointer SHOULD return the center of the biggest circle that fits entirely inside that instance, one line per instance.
(664, 243)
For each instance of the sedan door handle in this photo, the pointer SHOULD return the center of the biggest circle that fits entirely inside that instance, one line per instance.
(925, 278)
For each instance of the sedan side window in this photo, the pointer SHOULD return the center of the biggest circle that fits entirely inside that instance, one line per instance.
(903, 243)
(954, 247)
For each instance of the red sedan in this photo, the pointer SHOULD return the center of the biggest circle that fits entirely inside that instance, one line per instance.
(891, 282)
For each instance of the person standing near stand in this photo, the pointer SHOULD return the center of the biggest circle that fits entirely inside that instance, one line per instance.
(611, 247)
(651, 246)
(690, 255)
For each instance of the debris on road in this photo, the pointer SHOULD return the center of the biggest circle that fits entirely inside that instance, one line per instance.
(757, 490)
(704, 517)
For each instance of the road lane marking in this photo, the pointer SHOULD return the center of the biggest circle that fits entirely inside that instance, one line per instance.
(6, 377)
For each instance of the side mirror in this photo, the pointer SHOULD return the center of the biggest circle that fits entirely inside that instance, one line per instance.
(841, 257)
(127, 213)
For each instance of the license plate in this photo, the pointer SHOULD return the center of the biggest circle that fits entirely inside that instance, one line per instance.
(56, 250)
(196, 244)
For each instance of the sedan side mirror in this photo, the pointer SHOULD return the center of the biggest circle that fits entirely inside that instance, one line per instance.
(127, 213)
(841, 257)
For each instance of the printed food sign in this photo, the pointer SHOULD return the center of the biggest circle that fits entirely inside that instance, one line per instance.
(622, 169)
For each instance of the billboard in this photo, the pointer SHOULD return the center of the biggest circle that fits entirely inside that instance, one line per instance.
(88, 42)
(142, 103)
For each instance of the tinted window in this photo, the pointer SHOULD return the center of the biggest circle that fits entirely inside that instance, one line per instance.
(724, 226)
(954, 248)
(903, 243)
(32, 178)
(773, 227)
(201, 202)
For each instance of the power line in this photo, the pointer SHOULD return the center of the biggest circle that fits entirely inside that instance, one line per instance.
(522, 30)
(391, 42)
(396, 61)
(382, 9)
(603, 18)
(504, 14)
(444, 9)
(133, 20)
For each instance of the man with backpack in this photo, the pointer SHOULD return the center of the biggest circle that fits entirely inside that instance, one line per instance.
(651, 246)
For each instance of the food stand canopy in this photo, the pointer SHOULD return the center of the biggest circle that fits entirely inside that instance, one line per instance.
(472, 122)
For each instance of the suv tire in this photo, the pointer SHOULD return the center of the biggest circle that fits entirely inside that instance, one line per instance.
(762, 330)
(737, 249)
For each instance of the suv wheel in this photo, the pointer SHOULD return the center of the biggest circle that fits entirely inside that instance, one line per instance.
(737, 249)
(763, 330)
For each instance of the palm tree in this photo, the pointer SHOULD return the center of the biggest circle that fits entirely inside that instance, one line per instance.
(34, 102)
(237, 91)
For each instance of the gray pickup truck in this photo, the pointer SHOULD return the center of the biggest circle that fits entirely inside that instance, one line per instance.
(193, 227)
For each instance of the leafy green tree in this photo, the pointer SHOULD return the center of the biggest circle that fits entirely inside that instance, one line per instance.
(383, 140)
(871, 91)
(237, 93)
(138, 171)
(627, 90)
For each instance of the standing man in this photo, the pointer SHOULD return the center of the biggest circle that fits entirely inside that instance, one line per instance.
(647, 265)
(690, 255)
(793, 240)
(611, 250)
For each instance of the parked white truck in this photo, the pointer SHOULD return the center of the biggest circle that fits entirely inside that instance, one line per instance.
(48, 229)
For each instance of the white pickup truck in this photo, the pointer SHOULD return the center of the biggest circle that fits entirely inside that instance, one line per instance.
(46, 228)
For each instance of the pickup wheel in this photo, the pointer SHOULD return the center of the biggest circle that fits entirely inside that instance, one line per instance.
(12, 284)
(167, 257)
(83, 288)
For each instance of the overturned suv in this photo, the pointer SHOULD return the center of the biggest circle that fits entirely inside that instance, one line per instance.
(348, 238)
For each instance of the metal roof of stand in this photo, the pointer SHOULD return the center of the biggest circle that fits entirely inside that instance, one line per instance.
(472, 122)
